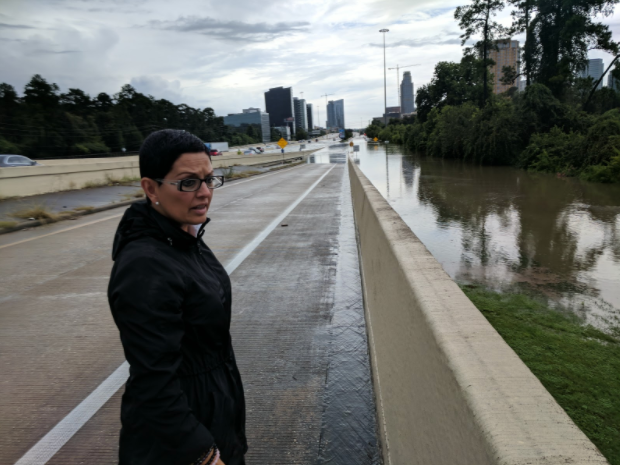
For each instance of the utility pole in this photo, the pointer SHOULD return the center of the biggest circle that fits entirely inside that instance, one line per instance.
(398, 68)
(383, 31)
(326, 95)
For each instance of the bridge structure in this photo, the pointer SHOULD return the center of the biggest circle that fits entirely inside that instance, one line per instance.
(354, 346)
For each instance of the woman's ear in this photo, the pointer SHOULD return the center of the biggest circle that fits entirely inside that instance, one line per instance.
(150, 188)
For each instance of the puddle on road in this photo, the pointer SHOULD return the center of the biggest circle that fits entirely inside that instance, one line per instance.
(349, 427)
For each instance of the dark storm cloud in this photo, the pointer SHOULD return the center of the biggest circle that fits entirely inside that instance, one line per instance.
(15, 26)
(445, 39)
(232, 30)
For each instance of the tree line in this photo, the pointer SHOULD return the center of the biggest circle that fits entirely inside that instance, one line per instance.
(559, 124)
(45, 123)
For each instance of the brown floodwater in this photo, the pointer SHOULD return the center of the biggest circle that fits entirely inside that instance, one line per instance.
(508, 229)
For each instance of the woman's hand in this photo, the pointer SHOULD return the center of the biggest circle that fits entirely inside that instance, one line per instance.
(219, 462)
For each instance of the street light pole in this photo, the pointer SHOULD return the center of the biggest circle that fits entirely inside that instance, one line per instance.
(384, 80)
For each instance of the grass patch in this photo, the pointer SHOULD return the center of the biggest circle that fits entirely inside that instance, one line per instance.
(7, 224)
(133, 195)
(289, 165)
(244, 174)
(111, 181)
(37, 212)
(85, 208)
(579, 365)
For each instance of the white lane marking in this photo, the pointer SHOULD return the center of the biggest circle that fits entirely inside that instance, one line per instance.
(69, 425)
(58, 436)
(254, 178)
(248, 249)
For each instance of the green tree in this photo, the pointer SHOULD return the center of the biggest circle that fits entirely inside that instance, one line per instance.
(276, 135)
(522, 22)
(301, 134)
(477, 18)
(564, 31)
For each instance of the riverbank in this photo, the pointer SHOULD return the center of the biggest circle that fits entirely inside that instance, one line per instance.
(577, 363)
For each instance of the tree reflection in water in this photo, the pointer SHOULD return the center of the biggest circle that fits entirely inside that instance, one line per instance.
(506, 227)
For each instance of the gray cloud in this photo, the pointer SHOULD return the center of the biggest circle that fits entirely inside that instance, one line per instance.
(444, 39)
(15, 26)
(232, 30)
(159, 88)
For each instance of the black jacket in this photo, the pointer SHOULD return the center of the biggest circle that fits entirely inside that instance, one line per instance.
(171, 300)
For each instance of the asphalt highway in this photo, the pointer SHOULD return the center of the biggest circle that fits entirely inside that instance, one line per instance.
(281, 234)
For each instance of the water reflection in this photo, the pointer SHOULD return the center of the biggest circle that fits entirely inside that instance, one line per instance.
(506, 227)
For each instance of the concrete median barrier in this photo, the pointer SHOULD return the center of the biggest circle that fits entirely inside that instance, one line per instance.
(449, 389)
(61, 175)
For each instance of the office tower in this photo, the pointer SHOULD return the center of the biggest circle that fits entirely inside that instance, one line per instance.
(335, 114)
(507, 54)
(613, 83)
(407, 104)
(309, 117)
(594, 69)
(279, 105)
(301, 116)
(250, 117)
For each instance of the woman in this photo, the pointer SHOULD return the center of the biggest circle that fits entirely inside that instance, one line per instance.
(171, 301)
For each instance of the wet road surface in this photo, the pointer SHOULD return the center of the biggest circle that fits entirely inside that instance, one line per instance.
(297, 325)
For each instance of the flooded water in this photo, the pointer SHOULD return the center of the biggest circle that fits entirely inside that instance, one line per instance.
(507, 228)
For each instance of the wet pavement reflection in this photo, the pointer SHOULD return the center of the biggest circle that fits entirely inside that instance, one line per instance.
(349, 433)
(507, 228)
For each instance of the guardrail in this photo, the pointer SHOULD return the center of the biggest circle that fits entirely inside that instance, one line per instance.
(68, 174)
(449, 389)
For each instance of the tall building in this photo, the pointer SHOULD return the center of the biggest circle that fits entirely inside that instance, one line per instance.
(594, 69)
(335, 114)
(407, 104)
(301, 114)
(250, 117)
(309, 117)
(279, 105)
(392, 112)
(507, 54)
(613, 83)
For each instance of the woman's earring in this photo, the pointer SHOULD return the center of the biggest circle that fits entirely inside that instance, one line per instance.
(156, 203)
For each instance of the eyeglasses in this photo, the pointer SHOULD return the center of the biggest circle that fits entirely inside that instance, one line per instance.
(193, 184)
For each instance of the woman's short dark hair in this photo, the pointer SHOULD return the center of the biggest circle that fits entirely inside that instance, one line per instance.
(162, 148)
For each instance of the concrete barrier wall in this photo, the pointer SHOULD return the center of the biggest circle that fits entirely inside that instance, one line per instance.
(449, 389)
(60, 175)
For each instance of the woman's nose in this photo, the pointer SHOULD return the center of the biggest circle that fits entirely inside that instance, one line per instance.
(204, 191)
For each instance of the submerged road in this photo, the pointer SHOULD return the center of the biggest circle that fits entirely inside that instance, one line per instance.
(298, 327)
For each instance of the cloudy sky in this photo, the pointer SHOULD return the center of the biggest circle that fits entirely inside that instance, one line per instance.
(226, 53)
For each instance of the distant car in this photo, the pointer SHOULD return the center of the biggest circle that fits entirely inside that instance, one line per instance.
(250, 151)
(16, 160)
(214, 152)
(260, 149)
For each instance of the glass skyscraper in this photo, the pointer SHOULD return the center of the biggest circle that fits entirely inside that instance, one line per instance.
(335, 114)
(279, 105)
(309, 116)
(407, 104)
(301, 114)
(593, 69)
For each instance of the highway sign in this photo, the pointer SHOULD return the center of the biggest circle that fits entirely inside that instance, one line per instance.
(375, 139)
(282, 143)
(356, 148)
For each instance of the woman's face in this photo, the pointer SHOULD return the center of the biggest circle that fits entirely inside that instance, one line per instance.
(183, 207)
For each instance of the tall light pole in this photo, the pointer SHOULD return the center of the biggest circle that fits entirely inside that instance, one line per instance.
(384, 80)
